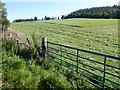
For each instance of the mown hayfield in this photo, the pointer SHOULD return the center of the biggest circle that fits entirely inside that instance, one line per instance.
(100, 35)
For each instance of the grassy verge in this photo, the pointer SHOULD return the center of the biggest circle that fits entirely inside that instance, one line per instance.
(20, 71)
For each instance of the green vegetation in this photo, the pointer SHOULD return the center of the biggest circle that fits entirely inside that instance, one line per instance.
(4, 23)
(24, 67)
(96, 12)
(0, 16)
(100, 35)
(20, 72)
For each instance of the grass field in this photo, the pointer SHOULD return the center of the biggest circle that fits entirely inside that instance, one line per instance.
(100, 35)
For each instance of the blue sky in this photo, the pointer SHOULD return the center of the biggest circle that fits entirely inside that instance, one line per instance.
(23, 10)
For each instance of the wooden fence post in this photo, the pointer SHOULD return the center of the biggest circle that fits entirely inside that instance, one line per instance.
(44, 46)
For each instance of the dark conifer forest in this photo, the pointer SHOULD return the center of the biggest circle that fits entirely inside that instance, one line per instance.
(96, 12)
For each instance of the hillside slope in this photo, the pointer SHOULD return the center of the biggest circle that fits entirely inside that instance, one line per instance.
(99, 35)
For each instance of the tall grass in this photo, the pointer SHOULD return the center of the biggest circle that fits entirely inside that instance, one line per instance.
(21, 72)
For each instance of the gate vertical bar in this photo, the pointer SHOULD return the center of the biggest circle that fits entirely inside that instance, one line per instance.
(47, 50)
(61, 53)
(77, 68)
(104, 73)
(77, 61)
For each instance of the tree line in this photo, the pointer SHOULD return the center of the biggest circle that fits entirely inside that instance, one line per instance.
(25, 20)
(95, 12)
(36, 19)
(49, 18)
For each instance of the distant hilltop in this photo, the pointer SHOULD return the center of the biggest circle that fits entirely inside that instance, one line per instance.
(96, 12)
